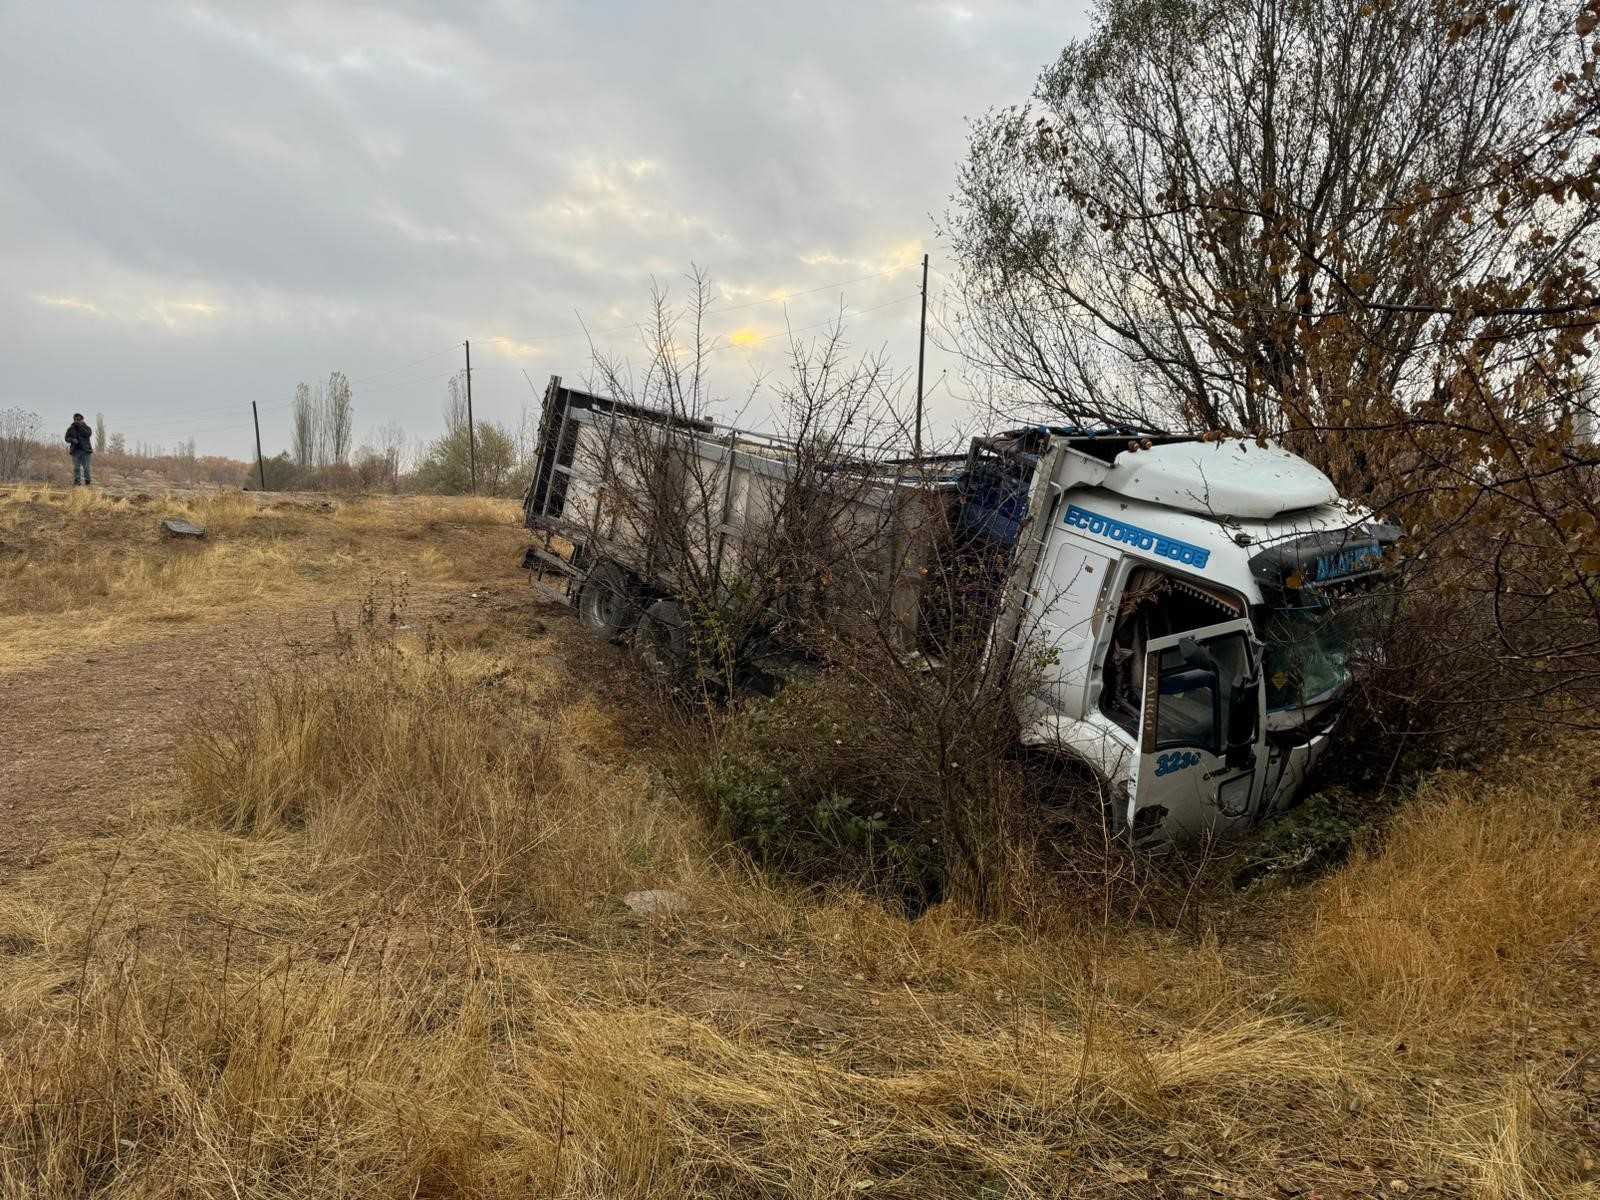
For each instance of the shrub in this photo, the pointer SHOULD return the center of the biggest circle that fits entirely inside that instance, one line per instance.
(822, 782)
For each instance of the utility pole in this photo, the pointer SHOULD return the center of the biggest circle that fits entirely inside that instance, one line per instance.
(261, 463)
(472, 431)
(922, 346)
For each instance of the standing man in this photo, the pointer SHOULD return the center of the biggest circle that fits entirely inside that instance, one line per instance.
(80, 440)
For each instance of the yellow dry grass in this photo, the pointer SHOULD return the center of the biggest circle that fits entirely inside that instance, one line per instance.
(96, 567)
(1479, 892)
(377, 946)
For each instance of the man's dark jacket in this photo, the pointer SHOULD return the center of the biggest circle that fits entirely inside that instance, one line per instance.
(80, 436)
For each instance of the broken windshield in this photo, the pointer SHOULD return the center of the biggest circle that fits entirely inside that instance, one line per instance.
(1308, 653)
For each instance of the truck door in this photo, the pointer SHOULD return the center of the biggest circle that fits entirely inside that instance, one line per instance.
(1202, 751)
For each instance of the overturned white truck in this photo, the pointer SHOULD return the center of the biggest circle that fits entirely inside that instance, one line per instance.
(1196, 600)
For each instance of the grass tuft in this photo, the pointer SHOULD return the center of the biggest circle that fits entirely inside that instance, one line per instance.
(1481, 888)
(442, 771)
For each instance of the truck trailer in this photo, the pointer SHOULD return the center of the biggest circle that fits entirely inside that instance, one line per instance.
(1193, 603)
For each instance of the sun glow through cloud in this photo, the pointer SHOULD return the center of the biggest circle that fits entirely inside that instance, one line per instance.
(73, 303)
(157, 311)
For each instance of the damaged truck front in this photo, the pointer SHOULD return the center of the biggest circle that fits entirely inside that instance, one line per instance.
(1197, 601)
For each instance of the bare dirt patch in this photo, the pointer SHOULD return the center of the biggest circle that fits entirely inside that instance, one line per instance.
(118, 636)
(95, 731)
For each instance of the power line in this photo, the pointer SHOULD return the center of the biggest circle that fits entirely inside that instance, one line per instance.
(403, 366)
(190, 432)
(724, 338)
(382, 387)
(183, 417)
(179, 422)
(827, 287)
(187, 412)
(818, 325)
(720, 341)
(166, 422)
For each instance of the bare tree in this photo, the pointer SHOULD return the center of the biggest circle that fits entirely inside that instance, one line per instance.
(321, 426)
(100, 442)
(455, 404)
(339, 419)
(1202, 195)
(304, 428)
(669, 493)
(526, 442)
(391, 445)
(20, 433)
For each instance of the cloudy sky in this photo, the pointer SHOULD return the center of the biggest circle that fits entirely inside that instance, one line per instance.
(202, 204)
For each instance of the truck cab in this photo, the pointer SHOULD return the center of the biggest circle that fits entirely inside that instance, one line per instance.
(1194, 605)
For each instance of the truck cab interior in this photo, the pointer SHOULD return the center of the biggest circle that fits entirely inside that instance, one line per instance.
(1154, 603)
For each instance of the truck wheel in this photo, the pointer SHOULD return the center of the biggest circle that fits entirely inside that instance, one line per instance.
(605, 600)
(660, 642)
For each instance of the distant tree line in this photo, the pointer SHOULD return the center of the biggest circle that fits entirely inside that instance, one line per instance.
(322, 454)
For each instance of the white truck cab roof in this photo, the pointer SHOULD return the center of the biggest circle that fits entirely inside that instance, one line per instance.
(1232, 477)
(1203, 508)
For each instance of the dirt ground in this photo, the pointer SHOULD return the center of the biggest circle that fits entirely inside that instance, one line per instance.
(93, 729)
(91, 736)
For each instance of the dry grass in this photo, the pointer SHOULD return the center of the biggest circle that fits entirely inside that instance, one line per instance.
(466, 510)
(1479, 894)
(377, 947)
(97, 564)
(437, 772)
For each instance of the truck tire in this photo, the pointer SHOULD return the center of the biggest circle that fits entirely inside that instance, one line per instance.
(660, 641)
(606, 600)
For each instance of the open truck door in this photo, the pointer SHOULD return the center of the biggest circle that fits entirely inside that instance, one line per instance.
(1202, 753)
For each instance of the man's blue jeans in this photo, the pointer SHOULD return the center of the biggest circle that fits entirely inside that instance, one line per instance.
(80, 466)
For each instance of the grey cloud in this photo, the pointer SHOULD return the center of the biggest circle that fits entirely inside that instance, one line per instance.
(202, 204)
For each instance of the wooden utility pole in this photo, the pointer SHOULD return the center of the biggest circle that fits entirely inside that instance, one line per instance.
(472, 431)
(261, 463)
(922, 346)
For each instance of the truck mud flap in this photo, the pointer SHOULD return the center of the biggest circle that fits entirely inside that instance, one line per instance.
(550, 576)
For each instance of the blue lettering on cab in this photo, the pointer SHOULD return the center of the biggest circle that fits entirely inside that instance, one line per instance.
(1340, 563)
(1179, 760)
(1141, 539)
